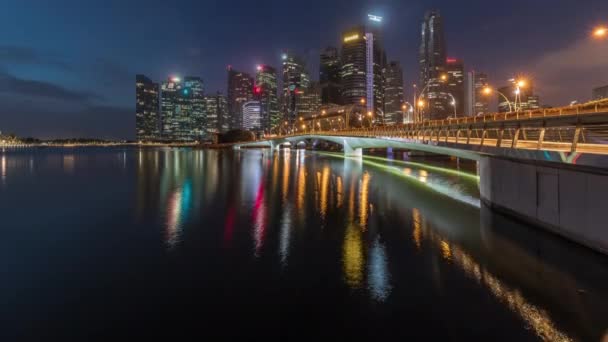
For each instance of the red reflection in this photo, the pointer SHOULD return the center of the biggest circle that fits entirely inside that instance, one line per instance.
(259, 219)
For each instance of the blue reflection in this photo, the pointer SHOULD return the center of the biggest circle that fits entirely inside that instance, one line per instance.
(378, 274)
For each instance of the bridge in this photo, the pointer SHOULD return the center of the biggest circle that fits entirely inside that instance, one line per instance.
(546, 166)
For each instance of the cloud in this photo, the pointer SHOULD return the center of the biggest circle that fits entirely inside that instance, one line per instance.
(27, 56)
(571, 72)
(44, 119)
(14, 85)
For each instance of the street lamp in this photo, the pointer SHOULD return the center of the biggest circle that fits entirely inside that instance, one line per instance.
(521, 83)
(600, 32)
(488, 91)
(442, 78)
(362, 101)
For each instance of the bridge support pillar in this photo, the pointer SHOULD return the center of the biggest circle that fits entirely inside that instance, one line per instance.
(565, 199)
(349, 151)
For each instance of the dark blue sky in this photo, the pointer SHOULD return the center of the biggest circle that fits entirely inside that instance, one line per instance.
(67, 68)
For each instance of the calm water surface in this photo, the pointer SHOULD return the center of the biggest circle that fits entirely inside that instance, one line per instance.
(127, 242)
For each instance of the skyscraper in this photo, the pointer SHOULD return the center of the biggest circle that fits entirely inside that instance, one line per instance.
(329, 76)
(432, 61)
(240, 90)
(252, 116)
(183, 109)
(394, 99)
(295, 81)
(363, 64)
(477, 103)
(216, 114)
(455, 85)
(309, 100)
(353, 69)
(265, 91)
(146, 109)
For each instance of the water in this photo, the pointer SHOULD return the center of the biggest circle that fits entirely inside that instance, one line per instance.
(123, 242)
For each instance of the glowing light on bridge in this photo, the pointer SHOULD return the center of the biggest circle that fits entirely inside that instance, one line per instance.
(600, 32)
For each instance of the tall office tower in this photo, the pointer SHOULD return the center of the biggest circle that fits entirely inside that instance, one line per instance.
(310, 100)
(240, 90)
(265, 91)
(517, 99)
(329, 76)
(454, 85)
(476, 102)
(217, 119)
(600, 93)
(183, 109)
(394, 99)
(432, 61)
(295, 81)
(363, 64)
(146, 109)
(353, 69)
(375, 67)
(252, 116)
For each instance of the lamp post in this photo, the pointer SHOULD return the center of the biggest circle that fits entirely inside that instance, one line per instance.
(453, 103)
(600, 32)
(442, 78)
(488, 91)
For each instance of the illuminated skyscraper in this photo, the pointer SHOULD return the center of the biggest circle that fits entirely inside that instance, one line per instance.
(309, 100)
(146, 109)
(265, 91)
(363, 66)
(329, 76)
(353, 68)
(252, 116)
(183, 109)
(295, 81)
(432, 61)
(240, 90)
(455, 84)
(217, 118)
(394, 99)
(477, 103)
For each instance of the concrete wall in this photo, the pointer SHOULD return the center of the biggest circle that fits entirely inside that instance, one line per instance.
(568, 200)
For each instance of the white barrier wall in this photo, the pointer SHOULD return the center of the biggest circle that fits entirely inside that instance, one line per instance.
(568, 200)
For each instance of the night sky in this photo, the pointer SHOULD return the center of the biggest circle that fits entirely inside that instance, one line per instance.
(67, 68)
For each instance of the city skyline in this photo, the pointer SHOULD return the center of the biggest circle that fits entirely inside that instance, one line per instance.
(43, 83)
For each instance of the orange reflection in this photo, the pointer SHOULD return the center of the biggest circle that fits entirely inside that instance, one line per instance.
(286, 164)
(417, 234)
(301, 187)
(352, 257)
(339, 190)
(324, 191)
(364, 201)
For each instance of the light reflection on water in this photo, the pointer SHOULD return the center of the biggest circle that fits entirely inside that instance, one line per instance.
(376, 231)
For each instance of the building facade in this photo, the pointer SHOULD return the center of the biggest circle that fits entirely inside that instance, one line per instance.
(329, 76)
(432, 63)
(240, 90)
(310, 100)
(454, 85)
(353, 69)
(217, 118)
(363, 66)
(183, 109)
(477, 103)
(252, 116)
(394, 98)
(265, 91)
(146, 109)
(296, 81)
(600, 93)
